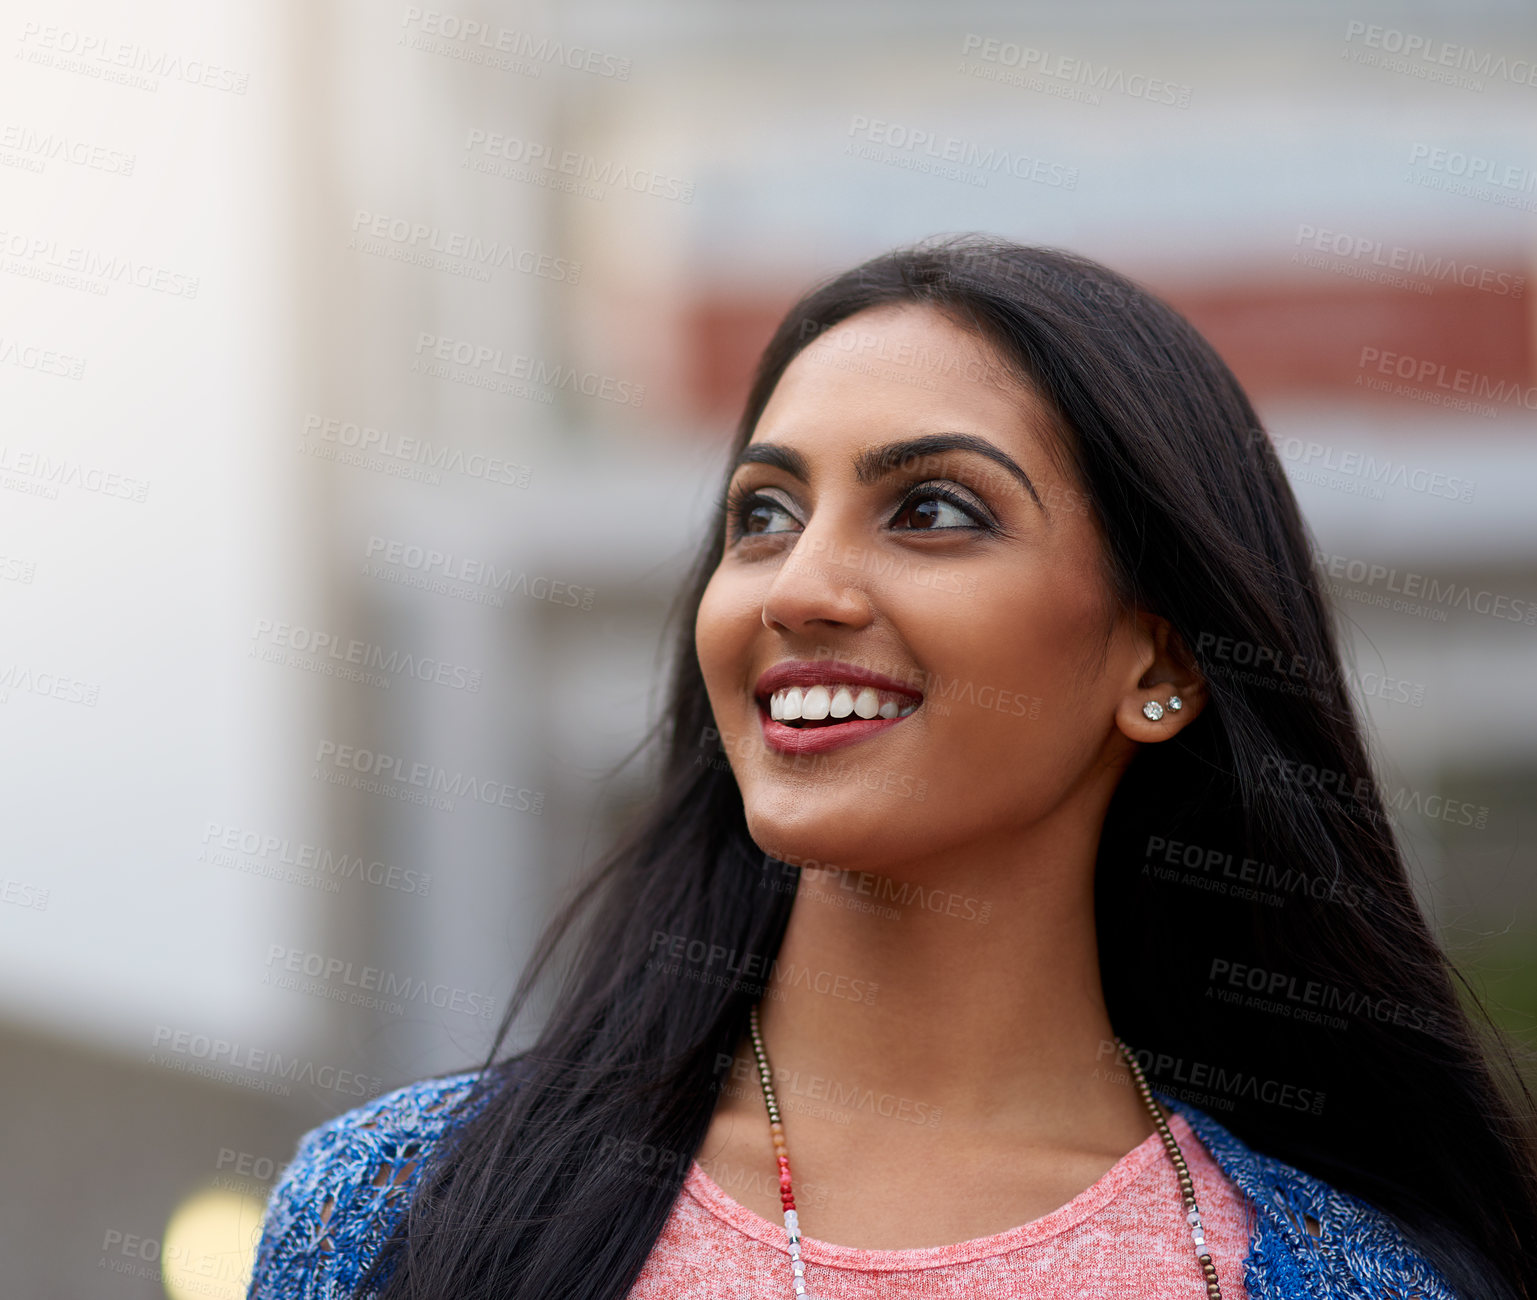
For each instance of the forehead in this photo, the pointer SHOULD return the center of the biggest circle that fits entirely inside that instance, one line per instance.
(898, 370)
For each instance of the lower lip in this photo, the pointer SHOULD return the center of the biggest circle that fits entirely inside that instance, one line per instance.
(818, 740)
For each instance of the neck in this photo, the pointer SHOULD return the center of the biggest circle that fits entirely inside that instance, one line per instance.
(967, 985)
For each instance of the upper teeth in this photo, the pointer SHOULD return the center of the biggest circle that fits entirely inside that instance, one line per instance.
(837, 701)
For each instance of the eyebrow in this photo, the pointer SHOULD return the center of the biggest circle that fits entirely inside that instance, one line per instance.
(872, 465)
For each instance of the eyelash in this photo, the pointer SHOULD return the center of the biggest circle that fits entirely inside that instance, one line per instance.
(741, 500)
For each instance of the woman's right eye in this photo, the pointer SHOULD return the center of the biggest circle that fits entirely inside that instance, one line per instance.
(750, 514)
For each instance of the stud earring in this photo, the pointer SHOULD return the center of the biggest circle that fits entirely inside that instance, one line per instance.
(1153, 710)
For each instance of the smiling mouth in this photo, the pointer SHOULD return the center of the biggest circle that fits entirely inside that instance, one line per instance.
(830, 706)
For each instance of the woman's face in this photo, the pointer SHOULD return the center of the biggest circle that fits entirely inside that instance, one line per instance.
(970, 581)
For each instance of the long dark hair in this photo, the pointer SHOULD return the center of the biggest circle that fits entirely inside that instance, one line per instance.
(1255, 840)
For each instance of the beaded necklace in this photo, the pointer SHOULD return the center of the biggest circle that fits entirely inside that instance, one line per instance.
(787, 1196)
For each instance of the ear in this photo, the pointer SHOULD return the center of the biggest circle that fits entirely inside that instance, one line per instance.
(1164, 670)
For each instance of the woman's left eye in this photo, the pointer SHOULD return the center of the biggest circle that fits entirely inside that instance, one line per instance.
(939, 510)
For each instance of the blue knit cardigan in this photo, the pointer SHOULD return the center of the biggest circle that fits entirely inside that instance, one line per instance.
(351, 1177)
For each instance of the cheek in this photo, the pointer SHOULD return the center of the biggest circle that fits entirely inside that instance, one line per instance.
(1015, 680)
(1043, 625)
(723, 636)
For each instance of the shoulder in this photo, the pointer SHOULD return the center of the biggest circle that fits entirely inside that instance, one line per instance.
(348, 1182)
(1310, 1238)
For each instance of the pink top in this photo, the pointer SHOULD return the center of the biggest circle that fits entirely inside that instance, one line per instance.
(1126, 1235)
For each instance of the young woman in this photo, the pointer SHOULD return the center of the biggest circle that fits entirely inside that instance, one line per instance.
(1014, 821)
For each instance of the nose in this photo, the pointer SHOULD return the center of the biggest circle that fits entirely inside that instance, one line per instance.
(816, 586)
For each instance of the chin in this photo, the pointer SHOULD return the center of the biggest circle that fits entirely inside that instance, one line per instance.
(819, 835)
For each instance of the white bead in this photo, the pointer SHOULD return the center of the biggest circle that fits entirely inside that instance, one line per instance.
(1197, 1237)
(1203, 1252)
(792, 1220)
(798, 1268)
